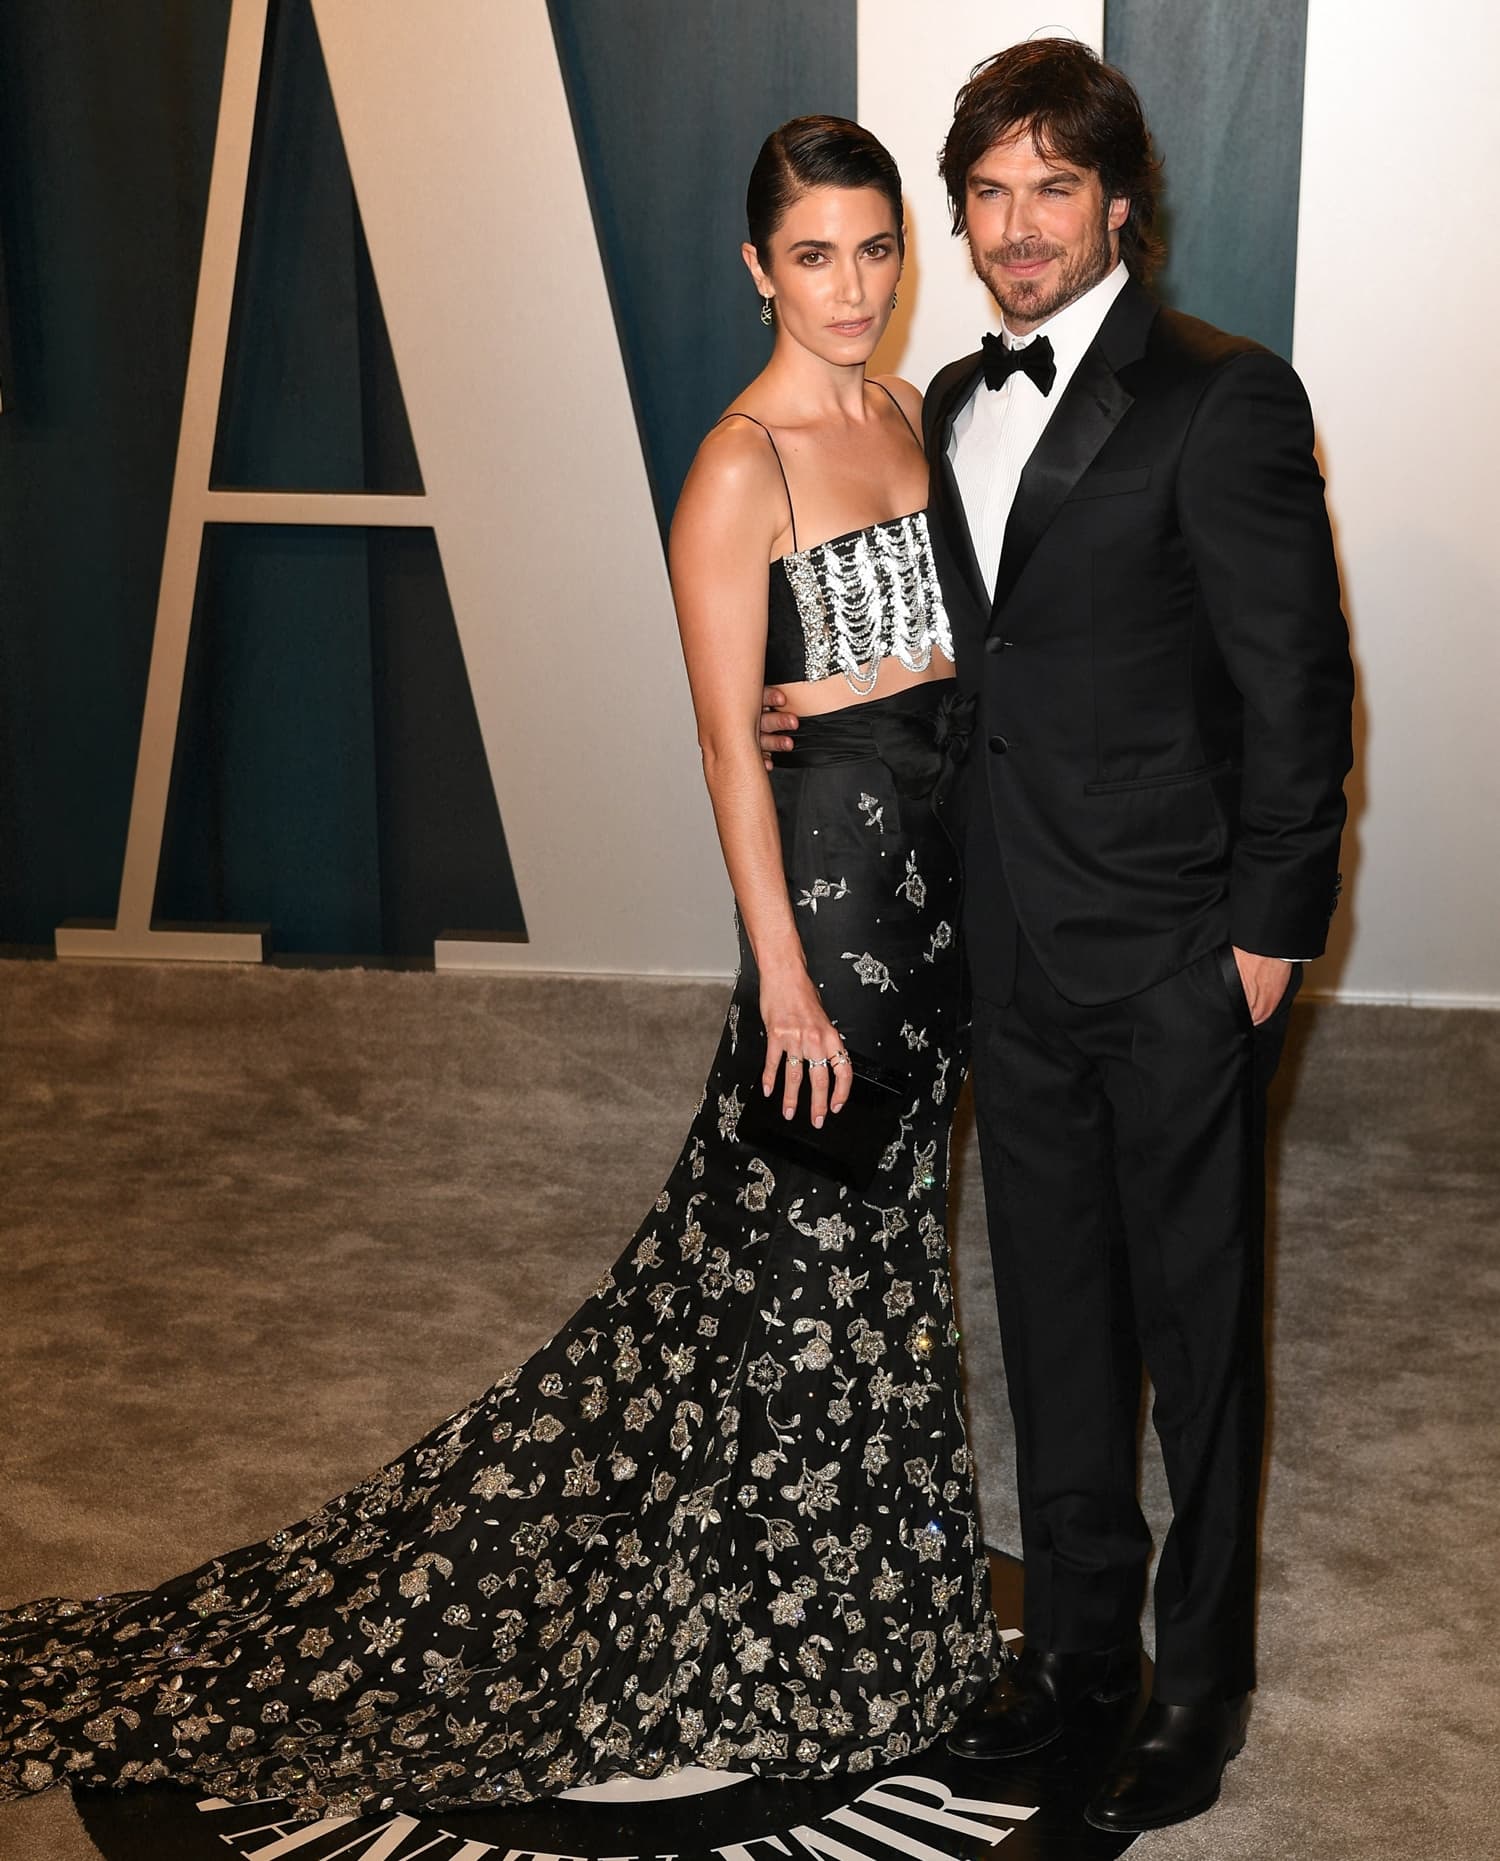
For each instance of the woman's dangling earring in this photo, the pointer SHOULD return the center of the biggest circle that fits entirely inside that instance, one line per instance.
(893, 300)
(765, 312)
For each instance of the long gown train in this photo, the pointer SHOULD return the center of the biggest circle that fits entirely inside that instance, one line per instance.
(725, 1517)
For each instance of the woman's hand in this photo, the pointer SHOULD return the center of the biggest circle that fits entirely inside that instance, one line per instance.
(776, 721)
(797, 1026)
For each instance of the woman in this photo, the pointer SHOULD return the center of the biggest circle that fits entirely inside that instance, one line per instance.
(725, 1517)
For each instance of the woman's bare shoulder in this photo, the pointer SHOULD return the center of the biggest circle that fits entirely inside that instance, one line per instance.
(736, 434)
(907, 398)
(734, 476)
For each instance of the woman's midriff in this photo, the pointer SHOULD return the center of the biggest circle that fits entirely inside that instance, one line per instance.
(814, 697)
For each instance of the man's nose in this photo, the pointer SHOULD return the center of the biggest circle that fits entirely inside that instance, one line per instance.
(1020, 221)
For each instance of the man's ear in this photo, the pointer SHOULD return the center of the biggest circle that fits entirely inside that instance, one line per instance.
(1119, 213)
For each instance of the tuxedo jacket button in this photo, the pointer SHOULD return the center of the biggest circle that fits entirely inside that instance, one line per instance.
(994, 644)
(999, 745)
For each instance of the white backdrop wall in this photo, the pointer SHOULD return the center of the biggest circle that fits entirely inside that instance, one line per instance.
(1398, 276)
(471, 190)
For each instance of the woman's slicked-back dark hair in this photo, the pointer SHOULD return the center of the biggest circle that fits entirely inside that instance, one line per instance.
(1077, 108)
(815, 151)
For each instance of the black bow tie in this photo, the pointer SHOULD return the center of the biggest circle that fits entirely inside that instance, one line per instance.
(1035, 360)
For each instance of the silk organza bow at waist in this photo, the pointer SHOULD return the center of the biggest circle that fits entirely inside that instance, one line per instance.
(919, 734)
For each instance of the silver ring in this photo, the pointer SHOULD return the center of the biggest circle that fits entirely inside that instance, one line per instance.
(839, 1059)
(817, 1062)
(794, 1059)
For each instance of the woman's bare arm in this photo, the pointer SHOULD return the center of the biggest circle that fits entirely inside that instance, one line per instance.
(731, 510)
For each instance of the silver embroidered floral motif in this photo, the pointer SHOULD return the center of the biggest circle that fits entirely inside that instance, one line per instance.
(821, 889)
(913, 887)
(870, 970)
(942, 937)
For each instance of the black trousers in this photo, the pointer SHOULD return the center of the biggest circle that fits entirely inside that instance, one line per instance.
(1123, 1153)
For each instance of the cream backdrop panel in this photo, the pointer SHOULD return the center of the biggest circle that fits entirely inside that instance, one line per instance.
(910, 68)
(472, 196)
(1398, 275)
(470, 187)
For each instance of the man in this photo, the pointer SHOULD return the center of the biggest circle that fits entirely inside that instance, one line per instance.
(1135, 555)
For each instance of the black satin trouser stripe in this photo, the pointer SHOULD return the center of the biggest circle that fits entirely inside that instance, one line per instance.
(1123, 1152)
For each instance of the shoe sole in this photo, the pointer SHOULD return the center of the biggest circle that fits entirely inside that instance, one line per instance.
(1166, 1822)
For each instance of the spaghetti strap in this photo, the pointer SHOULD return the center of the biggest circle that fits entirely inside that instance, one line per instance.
(791, 508)
(899, 409)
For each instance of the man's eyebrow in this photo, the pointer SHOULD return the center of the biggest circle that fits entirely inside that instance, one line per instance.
(1053, 175)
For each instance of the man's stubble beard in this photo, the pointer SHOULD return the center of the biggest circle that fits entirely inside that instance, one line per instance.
(1031, 303)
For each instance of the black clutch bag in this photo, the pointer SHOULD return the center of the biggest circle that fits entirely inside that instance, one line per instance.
(851, 1142)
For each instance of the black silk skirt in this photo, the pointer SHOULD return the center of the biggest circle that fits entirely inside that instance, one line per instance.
(725, 1517)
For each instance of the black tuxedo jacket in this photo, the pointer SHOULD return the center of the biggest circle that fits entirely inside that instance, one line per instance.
(1162, 671)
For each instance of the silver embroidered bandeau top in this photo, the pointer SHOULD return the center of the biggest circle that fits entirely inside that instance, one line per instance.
(842, 606)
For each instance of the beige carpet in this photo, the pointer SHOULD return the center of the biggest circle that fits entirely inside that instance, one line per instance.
(259, 1229)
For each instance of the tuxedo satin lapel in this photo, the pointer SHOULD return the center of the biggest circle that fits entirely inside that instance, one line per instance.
(957, 396)
(950, 514)
(960, 543)
(1092, 406)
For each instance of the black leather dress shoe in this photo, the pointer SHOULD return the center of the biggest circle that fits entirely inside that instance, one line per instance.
(1037, 1689)
(1170, 1767)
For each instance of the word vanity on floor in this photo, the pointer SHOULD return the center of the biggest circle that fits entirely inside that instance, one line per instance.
(868, 1829)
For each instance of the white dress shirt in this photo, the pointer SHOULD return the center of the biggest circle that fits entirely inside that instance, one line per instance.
(997, 431)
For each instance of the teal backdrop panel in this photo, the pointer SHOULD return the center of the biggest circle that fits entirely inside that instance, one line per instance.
(329, 777)
(107, 119)
(671, 101)
(301, 795)
(272, 816)
(1222, 86)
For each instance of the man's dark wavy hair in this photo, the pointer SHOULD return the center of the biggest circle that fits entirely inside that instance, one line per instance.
(1078, 109)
